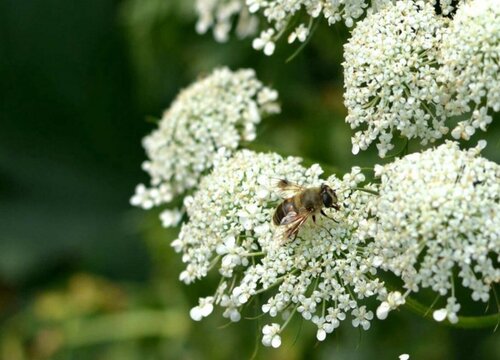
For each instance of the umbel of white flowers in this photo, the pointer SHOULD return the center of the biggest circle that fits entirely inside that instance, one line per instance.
(471, 65)
(438, 211)
(325, 274)
(218, 111)
(391, 78)
(279, 15)
(220, 14)
(410, 71)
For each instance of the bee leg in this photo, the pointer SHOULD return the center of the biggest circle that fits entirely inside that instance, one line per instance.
(323, 213)
(314, 218)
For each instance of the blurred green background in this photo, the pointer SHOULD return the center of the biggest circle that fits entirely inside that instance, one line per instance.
(85, 276)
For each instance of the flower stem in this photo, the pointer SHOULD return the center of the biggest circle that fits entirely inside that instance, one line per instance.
(289, 318)
(464, 322)
(369, 191)
(260, 253)
(312, 28)
(276, 283)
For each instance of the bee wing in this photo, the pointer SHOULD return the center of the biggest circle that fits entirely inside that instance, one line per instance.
(291, 224)
(294, 227)
(289, 218)
(288, 189)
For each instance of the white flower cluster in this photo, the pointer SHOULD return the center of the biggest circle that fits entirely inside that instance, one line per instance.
(471, 65)
(390, 76)
(212, 115)
(220, 15)
(324, 274)
(446, 6)
(394, 300)
(438, 211)
(280, 13)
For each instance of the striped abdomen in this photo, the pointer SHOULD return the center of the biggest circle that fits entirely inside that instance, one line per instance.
(282, 210)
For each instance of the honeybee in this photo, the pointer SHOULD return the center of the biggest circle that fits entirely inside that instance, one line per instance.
(306, 202)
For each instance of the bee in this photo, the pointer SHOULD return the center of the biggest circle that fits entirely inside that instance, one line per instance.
(306, 202)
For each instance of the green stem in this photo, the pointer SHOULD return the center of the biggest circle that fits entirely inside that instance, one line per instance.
(464, 322)
(369, 191)
(214, 262)
(312, 28)
(424, 105)
(403, 151)
(371, 103)
(260, 253)
(276, 283)
(289, 318)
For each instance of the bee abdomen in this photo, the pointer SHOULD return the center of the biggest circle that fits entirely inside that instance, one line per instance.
(282, 210)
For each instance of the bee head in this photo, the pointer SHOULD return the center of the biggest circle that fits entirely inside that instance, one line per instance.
(328, 196)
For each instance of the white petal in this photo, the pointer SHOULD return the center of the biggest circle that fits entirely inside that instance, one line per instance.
(355, 149)
(276, 341)
(196, 313)
(269, 50)
(230, 241)
(383, 310)
(207, 309)
(235, 316)
(321, 335)
(439, 315)
(258, 44)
